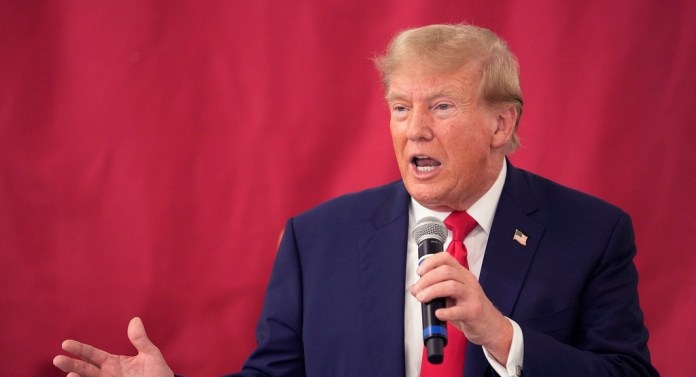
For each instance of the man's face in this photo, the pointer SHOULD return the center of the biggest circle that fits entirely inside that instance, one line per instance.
(446, 139)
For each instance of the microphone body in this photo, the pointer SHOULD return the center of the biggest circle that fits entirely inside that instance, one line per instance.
(430, 235)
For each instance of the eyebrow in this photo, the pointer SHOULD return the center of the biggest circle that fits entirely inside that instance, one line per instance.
(446, 92)
(391, 97)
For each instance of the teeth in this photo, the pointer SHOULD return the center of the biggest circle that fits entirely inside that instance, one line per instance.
(425, 169)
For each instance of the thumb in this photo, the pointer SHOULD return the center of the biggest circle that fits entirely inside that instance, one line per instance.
(138, 337)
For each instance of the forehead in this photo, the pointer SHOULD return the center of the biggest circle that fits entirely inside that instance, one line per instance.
(416, 81)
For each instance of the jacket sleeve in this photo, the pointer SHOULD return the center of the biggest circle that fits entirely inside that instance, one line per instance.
(609, 338)
(279, 330)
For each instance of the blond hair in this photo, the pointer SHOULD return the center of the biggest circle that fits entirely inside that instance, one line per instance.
(445, 47)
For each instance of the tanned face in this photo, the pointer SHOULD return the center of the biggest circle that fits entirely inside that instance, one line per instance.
(448, 142)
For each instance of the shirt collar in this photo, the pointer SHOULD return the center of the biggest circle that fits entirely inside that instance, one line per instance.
(482, 210)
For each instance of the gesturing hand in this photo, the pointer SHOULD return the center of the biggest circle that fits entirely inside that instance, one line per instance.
(97, 363)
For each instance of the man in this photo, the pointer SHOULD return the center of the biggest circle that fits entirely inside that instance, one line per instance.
(551, 288)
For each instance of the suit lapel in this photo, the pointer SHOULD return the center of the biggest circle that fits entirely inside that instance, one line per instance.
(507, 261)
(382, 248)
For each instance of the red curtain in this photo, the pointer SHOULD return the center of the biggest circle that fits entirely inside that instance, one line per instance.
(151, 151)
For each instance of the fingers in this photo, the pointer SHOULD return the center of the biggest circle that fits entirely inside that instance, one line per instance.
(98, 363)
(92, 359)
(442, 276)
(75, 368)
(86, 352)
(436, 260)
(139, 339)
(468, 307)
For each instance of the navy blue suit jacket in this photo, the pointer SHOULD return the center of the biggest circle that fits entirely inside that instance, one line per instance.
(335, 302)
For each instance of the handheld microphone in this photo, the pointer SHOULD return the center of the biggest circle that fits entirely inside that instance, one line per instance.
(430, 234)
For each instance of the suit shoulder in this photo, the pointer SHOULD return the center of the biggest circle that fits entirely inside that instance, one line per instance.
(564, 199)
(364, 201)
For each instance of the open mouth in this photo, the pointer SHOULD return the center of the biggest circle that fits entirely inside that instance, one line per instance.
(425, 164)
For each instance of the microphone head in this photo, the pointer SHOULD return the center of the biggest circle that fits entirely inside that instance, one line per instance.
(429, 227)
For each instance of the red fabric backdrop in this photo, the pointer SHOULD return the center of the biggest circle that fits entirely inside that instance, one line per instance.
(151, 151)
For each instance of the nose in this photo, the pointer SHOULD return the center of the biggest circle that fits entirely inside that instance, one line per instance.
(419, 125)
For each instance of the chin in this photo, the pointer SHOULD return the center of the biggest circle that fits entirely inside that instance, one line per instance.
(429, 195)
(425, 197)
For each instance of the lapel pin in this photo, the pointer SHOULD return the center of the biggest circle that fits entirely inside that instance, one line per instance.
(520, 237)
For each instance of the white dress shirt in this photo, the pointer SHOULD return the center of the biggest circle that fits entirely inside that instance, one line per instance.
(482, 211)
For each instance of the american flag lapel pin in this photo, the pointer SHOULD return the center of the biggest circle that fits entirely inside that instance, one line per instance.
(520, 237)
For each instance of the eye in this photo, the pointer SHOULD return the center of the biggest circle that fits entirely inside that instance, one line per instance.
(443, 109)
(399, 112)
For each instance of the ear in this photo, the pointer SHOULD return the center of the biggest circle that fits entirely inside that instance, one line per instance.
(506, 118)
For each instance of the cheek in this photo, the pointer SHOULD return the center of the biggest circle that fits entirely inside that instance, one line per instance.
(394, 128)
(477, 134)
(465, 149)
(398, 138)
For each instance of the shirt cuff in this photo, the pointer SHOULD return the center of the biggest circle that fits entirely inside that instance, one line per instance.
(515, 357)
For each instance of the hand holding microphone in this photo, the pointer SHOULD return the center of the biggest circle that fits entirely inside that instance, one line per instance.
(471, 312)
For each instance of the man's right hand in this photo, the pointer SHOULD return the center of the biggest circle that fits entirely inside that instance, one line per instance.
(97, 363)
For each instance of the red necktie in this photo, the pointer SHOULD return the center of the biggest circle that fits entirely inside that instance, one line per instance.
(461, 224)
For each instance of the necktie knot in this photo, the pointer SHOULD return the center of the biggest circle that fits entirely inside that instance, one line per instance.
(461, 224)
